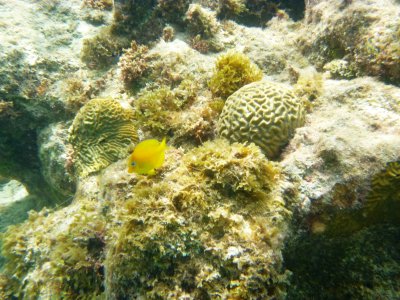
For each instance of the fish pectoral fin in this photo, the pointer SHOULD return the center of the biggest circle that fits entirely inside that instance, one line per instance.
(151, 172)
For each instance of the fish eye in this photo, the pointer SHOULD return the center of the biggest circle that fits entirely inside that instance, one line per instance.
(133, 164)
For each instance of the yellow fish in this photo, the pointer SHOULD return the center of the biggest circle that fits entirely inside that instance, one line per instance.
(147, 156)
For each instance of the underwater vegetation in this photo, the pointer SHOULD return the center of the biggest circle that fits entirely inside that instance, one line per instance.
(100, 134)
(211, 225)
(207, 246)
(62, 260)
(202, 25)
(201, 21)
(133, 63)
(264, 113)
(103, 49)
(232, 71)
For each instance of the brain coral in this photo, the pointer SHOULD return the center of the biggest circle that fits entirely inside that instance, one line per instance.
(263, 112)
(100, 134)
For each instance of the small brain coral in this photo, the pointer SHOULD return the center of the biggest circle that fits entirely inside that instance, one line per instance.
(383, 203)
(100, 134)
(232, 71)
(265, 113)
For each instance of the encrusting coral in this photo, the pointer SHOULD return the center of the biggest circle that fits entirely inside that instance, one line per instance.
(100, 134)
(232, 71)
(264, 113)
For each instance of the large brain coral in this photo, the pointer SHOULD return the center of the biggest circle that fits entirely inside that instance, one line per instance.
(265, 113)
(100, 134)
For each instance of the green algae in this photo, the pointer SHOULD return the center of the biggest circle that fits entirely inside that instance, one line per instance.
(232, 71)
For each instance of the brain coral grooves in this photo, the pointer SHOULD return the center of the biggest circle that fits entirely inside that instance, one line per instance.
(263, 112)
(100, 134)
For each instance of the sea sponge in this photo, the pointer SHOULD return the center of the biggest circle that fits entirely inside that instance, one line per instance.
(100, 134)
(232, 71)
(265, 113)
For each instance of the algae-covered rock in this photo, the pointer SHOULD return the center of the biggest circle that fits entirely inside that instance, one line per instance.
(364, 265)
(210, 225)
(100, 134)
(364, 33)
(55, 254)
(345, 243)
(264, 113)
(54, 158)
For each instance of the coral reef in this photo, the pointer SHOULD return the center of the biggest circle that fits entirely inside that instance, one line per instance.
(340, 69)
(309, 85)
(53, 258)
(365, 34)
(98, 4)
(232, 71)
(207, 246)
(338, 162)
(203, 26)
(223, 224)
(100, 134)
(348, 224)
(259, 12)
(168, 33)
(159, 110)
(264, 113)
(383, 203)
(211, 223)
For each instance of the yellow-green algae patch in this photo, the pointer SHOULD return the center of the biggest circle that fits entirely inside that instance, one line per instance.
(211, 229)
(100, 134)
(209, 225)
(232, 71)
(55, 255)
